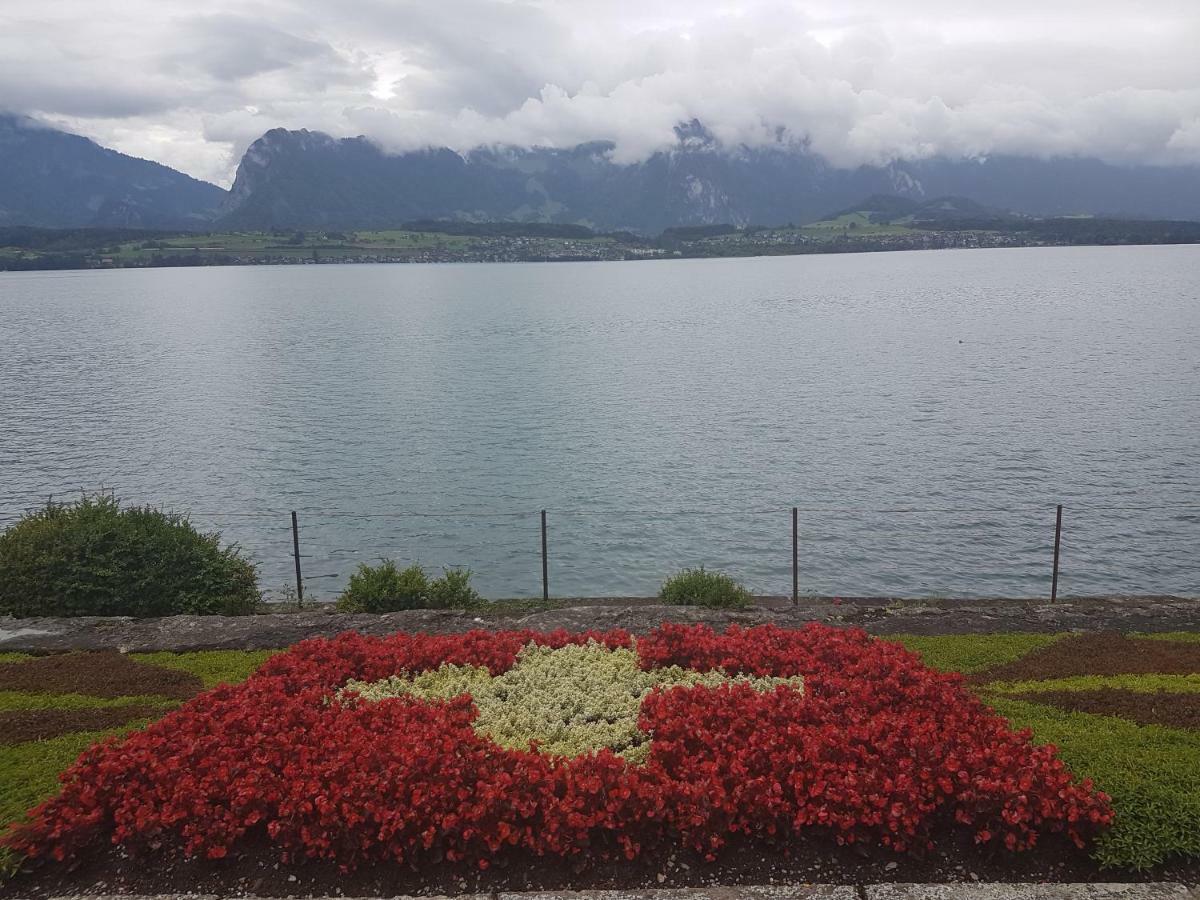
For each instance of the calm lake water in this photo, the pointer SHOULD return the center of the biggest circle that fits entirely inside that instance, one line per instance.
(925, 410)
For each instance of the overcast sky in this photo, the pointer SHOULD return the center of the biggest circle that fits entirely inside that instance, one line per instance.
(192, 84)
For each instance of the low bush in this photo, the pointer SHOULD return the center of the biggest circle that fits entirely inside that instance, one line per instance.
(387, 588)
(452, 590)
(875, 749)
(97, 558)
(700, 587)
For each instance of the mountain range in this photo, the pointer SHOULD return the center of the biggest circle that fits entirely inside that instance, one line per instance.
(53, 179)
(307, 180)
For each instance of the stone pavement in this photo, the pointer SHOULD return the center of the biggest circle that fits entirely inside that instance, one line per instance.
(878, 615)
(1098, 891)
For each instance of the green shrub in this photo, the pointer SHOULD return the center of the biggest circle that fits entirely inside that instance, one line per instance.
(95, 558)
(453, 591)
(699, 587)
(385, 588)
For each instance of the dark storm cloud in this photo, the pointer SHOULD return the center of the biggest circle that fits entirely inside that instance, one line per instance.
(859, 81)
(234, 47)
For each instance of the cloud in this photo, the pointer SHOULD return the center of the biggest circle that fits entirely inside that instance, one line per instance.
(859, 81)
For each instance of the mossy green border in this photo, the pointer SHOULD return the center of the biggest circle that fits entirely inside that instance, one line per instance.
(1187, 637)
(29, 772)
(212, 667)
(1142, 684)
(1152, 774)
(14, 701)
(968, 653)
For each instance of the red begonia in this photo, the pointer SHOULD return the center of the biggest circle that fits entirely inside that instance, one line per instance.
(877, 749)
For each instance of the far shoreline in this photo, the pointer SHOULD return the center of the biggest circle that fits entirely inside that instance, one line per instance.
(839, 251)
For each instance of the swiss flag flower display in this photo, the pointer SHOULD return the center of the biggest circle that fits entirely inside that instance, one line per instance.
(790, 733)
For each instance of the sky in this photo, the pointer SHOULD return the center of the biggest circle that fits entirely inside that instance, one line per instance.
(859, 81)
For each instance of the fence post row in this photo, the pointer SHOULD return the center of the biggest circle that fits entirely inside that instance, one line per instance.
(296, 554)
(795, 556)
(545, 562)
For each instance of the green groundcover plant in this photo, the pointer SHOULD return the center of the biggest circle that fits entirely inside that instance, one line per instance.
(94, 557)
(700, 587)
(1151, 773)
(388, 588)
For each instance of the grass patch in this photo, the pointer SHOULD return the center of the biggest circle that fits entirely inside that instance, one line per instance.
(1150, 772)
(1145, 684)
(212, 667)
(29, 772)
(969, 653)
(12, 701)
(1190, 637)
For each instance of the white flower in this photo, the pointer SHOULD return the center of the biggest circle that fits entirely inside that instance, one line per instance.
(573, 700)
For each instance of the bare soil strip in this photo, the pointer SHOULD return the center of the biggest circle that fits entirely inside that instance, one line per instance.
(1104, 653)
(1171, 710)
(40, 724)
(815, 859)
(103, 674)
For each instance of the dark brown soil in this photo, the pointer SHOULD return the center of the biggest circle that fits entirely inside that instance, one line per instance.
(814, 860)
(102, 674)
(1104, 653)
(1159, 708)
(22, 725)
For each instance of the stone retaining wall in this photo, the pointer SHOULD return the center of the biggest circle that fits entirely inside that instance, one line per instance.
(879, 616)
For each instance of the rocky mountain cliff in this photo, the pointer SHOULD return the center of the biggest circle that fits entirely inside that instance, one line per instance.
(309, 180)
(53, 179)
(302, 179)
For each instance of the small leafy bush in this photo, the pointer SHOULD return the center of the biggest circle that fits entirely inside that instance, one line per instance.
(97, 558)
(453, 591)
(699, 587)
(387, 588)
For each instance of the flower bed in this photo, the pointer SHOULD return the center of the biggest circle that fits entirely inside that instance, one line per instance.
(362, 749)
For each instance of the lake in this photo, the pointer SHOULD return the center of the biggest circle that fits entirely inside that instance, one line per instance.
(925, 410)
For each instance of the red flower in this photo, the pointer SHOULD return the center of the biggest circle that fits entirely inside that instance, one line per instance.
(876, 749)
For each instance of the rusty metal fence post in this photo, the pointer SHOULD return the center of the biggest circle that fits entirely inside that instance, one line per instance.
(545, 562)
(795, 556)
(1057, 545)
(296, 556)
